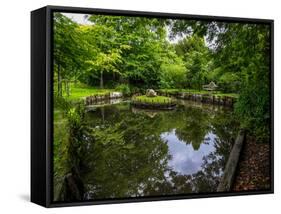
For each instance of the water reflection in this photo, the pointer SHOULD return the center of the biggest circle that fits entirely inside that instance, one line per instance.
(185, 158)
(140, 153)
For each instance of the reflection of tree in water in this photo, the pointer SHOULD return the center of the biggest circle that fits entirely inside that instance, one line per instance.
(130, 159)
(127, 158)
(196, 125)
(206, 180)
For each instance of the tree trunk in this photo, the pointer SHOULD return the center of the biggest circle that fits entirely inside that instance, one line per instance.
(102, 114)
(114, 76)
(67, 88)
(101, 79)
(59, 81)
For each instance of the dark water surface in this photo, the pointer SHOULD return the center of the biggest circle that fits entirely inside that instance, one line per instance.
(152, 153)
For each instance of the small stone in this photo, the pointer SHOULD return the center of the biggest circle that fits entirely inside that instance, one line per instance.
(151, 93)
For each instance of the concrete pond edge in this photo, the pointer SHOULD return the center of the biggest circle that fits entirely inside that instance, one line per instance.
(228, 177)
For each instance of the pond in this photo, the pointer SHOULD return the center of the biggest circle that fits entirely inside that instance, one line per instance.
(154, 153)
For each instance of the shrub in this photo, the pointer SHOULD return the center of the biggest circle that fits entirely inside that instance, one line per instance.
(124, 88)
(253, 109)
(135, 90)
(61, 103)
(172, 76)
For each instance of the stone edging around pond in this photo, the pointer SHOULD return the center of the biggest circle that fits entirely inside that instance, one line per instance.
(160, 106)
(226, 182)
(203, 98)
(94, 98)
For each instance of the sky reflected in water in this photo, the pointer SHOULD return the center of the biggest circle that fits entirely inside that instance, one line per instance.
(184, 158)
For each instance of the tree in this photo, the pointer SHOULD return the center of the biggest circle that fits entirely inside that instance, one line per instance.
(145, 39)
(106, 63)
(241, 64)
(245, 51)
(173, 71)
(70, 50)
(196, 57)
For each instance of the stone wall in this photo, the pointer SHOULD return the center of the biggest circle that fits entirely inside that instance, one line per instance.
(100, 97)
(203, 98)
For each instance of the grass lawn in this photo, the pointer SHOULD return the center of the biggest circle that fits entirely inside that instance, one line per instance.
(78, 92)
(194, 91)
(219, 94)
(157, 99)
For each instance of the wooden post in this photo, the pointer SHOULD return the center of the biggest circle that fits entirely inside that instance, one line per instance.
(231, 165)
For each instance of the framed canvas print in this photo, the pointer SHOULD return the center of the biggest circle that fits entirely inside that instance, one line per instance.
(130, 106)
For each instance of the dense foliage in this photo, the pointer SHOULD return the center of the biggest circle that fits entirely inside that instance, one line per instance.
(133, 53)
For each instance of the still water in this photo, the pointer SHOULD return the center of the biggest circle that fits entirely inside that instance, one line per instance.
(153, 153)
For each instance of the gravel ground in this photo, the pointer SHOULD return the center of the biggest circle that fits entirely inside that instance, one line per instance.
(253, 171)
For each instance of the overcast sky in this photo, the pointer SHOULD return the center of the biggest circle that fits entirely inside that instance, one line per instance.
(78, 17)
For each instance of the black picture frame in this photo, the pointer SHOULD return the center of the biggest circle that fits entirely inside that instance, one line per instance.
(42, 103)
